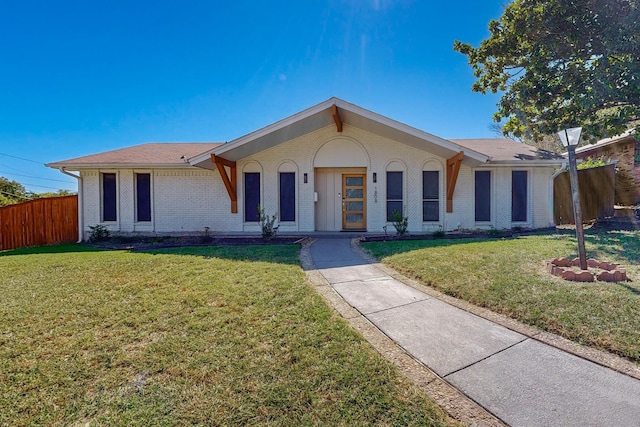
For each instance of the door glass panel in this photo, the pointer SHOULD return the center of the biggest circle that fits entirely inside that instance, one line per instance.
(354, 202)
(355, 206)
(354, 217)
(355, 193)
(354, 181)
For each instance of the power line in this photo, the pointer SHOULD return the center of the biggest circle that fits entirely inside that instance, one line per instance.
(22, 158)
(41, 186)
(14, 195)
(37, 177)
(12, 168)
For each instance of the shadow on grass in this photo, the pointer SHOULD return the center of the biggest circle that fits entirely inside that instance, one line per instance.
(279, 254)
(631, 289)
(53, 249)
(621, 245)
(399, 246)
(274, 253)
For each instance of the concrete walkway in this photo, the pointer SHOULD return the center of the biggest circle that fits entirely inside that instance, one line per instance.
(520, 380)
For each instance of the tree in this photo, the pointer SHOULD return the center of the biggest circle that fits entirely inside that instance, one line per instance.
(561, 64)
(11, 192)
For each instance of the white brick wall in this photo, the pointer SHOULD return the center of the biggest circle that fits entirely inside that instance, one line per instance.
(188, 200)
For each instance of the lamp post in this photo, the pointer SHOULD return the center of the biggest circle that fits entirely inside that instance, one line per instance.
(570, 139)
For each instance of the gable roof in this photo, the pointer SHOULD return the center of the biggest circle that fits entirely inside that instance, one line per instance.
(143, 155)
(503, 150)
(476, 151)
(320, 116)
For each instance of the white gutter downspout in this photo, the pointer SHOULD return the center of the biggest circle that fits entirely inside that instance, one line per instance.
(80, 216)
(563, 168)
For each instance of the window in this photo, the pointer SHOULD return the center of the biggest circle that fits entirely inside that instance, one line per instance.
(430, 196)
(483, 196)
(287, 196)
(109, 211)
(251, 196)
(394, 194)
(518, 196)
(143, 197)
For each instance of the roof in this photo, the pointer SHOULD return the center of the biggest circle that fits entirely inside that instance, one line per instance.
(150, 154)
(625, 137)
(476, 151)
(502, 150)
(320, 116)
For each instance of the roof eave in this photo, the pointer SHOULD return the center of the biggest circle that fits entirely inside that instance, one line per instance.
(78, 166)
(527, 163)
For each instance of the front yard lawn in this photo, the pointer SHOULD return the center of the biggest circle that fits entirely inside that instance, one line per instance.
(189, 336)
(508, 276)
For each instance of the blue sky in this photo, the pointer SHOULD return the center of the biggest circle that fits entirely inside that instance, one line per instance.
(81, 77)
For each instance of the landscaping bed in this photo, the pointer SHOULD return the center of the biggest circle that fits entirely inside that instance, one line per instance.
(139, 243)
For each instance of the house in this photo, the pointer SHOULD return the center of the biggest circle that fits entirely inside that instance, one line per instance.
(625, 150)
(332, 167)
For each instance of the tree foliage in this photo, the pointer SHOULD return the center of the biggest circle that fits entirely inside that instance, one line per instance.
(561, 64)
(11, 192)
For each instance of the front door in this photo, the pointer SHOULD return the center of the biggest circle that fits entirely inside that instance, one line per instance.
(354, 202)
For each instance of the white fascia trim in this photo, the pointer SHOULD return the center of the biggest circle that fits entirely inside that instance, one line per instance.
(77, 167)
(526, 163)
(605, 142)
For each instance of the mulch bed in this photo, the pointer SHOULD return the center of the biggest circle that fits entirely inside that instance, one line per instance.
(143, 243)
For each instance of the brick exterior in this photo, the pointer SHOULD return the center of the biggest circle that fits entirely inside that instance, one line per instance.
(190, 199)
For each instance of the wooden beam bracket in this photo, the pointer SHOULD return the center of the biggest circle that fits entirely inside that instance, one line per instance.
(336, 117)
(453, 168)
(231, 183)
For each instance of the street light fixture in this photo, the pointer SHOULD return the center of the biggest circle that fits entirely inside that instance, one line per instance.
(571, 138)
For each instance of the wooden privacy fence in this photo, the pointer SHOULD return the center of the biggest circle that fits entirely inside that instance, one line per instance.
(597, 189)
(39, 222)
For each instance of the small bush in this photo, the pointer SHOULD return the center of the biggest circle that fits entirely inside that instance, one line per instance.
(99, 233)
(267, 224)
(594, 163)
(400, 223)
(438, 234)
(206, 236)
(493, 231)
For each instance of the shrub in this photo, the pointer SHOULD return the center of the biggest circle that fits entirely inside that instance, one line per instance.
(206, 236)
(267, 224)
(439, 234)
(493, 231)
(400, 223)
(594, 163)
(99, 233)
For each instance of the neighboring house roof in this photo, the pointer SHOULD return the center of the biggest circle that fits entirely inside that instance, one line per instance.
(502, 150)
(627, 136)
(322, 115)
(144, 155)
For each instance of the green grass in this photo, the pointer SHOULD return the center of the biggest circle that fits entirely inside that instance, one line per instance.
(508, 276)
(190, 336)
